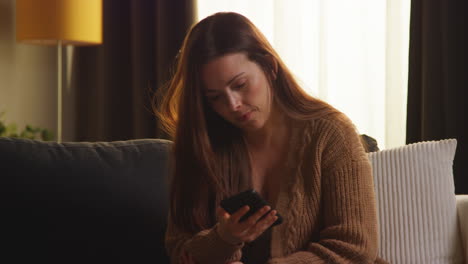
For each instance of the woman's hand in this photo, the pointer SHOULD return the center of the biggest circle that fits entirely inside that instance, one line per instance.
(235, 232)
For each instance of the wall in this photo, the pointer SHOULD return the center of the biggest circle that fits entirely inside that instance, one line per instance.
(28, 80)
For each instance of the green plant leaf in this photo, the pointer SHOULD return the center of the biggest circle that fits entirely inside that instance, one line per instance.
(2, 128)
(11, 129)
(30, 132)
(47, 135)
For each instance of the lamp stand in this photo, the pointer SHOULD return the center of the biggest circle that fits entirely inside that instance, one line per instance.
(59, 91)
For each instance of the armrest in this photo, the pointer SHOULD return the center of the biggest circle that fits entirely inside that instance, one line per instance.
(462, 211)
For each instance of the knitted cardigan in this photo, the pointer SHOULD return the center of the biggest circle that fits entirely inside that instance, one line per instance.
(327, 202)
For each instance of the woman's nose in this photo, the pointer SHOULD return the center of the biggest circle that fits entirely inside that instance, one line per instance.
(234, 100)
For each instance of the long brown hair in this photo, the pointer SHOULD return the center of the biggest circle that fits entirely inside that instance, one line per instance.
(210, 158)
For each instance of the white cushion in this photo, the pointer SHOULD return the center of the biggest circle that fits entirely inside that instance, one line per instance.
(462, 210)
(416, 203)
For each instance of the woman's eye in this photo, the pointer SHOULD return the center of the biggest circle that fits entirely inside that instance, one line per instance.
(213, 98)
(239, 86)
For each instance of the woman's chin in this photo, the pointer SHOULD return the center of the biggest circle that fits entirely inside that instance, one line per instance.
(252, 126)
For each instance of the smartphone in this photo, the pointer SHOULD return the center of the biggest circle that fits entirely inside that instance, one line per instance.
(250, 198)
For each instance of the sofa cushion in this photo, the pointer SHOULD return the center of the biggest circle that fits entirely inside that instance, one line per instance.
(462, 210)
(83, 202)
(416, 203)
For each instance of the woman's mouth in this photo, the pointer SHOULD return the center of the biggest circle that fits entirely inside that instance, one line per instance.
(245, 117)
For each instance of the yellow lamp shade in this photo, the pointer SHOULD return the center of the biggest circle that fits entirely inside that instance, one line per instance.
(76, 22)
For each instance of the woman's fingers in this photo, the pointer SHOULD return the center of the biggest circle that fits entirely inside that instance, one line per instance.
(261, 226)
(239, 213)
(222, 214)
(253, 219)
(234, 232)
(229, 229)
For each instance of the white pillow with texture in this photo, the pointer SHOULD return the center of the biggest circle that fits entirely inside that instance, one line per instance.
(462, 209)
(416, 203)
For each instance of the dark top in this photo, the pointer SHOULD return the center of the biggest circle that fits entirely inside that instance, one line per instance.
(257, 251)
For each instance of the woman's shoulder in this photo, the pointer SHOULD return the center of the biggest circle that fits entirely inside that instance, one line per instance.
(334, 132)
(334, 123)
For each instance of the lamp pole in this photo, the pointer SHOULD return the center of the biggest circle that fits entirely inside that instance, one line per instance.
(59, 91)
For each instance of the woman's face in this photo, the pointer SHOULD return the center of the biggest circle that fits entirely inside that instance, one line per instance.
(238, 90)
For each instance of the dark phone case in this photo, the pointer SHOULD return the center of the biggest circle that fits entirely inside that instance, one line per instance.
(250, 198)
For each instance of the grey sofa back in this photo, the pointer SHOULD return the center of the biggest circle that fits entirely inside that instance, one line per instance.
(83, 202)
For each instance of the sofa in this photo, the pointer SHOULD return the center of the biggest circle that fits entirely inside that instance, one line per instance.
(107, 202)
(83, 202)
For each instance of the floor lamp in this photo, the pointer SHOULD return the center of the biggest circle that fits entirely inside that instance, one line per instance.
(59, 23)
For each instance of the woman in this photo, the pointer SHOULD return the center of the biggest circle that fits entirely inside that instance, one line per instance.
(239, 120)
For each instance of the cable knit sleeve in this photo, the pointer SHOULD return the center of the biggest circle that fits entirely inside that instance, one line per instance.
(206, 246)
(349, 231)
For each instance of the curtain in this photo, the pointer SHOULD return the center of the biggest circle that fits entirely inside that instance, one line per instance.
(352, 54)
(438, 82)
(114, 82)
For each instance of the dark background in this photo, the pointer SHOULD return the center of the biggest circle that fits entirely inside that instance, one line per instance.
(438, 79)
